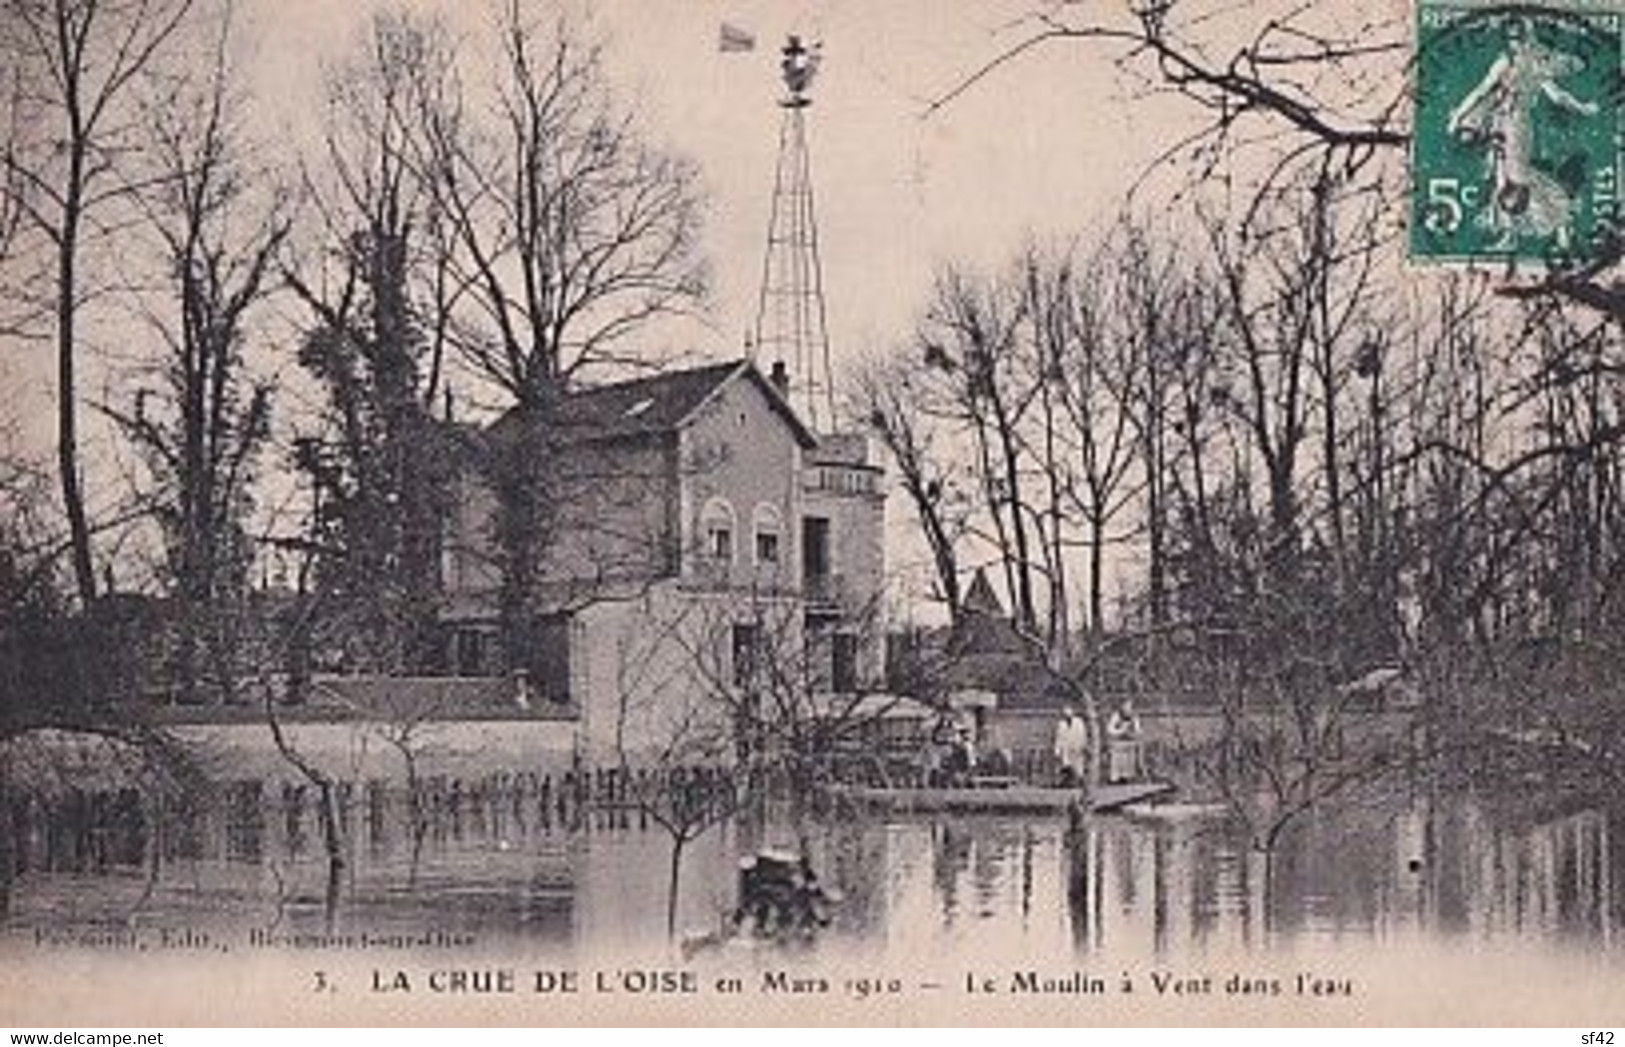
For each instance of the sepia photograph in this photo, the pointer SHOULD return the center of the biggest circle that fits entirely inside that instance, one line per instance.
(812, 512)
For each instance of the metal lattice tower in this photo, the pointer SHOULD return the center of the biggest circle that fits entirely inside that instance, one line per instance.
(790, 316)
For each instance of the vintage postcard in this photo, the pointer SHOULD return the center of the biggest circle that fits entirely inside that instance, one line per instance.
(740, 511)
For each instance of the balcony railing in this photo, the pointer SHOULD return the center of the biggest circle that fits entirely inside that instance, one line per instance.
(824, 591)
(835, 479)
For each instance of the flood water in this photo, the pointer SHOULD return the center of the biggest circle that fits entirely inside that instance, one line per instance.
(501, 873)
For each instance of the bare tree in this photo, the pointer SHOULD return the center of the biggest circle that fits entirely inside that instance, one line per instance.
(1046, 299)
(1292, 734)
(889, 401)
(75, 65)
(1331, 75)
(571, 231)
(17, 306)
(676, 752)
(972, 337)
(1113, 316)
(327, 798)
(202, 422)
(377, 218)
(380, 296)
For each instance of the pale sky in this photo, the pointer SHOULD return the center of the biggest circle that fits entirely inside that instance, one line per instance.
(1046, 146)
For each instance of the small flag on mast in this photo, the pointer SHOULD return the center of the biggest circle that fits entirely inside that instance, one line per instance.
(733, 38)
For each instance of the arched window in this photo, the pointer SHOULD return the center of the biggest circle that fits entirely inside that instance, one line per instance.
(767, 523)
(717, 531)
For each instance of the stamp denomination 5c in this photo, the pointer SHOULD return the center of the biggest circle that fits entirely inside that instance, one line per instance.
(1515, 151)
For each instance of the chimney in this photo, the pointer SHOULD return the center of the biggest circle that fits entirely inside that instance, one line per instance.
(780, 377)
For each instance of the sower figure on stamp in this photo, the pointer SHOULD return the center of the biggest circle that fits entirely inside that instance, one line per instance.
(1499, 113)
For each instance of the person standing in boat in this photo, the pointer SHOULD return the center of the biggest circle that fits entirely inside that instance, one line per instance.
(1071, 748)
(1123, 743)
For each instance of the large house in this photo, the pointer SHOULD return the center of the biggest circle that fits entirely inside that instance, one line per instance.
(702, 545)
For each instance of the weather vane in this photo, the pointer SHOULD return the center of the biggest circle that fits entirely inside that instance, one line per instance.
(799, 66)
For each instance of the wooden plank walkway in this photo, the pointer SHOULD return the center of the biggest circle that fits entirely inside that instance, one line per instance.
(1110, 798)
(1104, 799)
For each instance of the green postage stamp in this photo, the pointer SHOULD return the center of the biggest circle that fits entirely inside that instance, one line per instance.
(1515, 149)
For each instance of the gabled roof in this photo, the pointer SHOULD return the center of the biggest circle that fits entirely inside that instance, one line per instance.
(981, 599)
(659, 403)
(983, 628)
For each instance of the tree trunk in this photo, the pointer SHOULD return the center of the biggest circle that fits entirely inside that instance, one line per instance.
(1155, 510)
(67, 408)
(328, 813)
(1260, 893)
(672, 882)
(1097, 565)
(335, 854)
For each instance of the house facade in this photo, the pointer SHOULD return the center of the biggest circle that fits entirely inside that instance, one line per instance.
(704, 553)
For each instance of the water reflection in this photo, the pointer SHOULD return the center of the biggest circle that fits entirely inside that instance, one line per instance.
(494, 864)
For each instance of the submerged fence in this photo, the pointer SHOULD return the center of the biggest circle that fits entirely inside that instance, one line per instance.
(90, 830)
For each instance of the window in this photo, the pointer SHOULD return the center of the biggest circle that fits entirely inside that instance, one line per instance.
(550, 658)
(767, 522)
(815, 559)
(844, 662)
(717, 531)
(721, 543)
(747, 647)
(472, 652)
